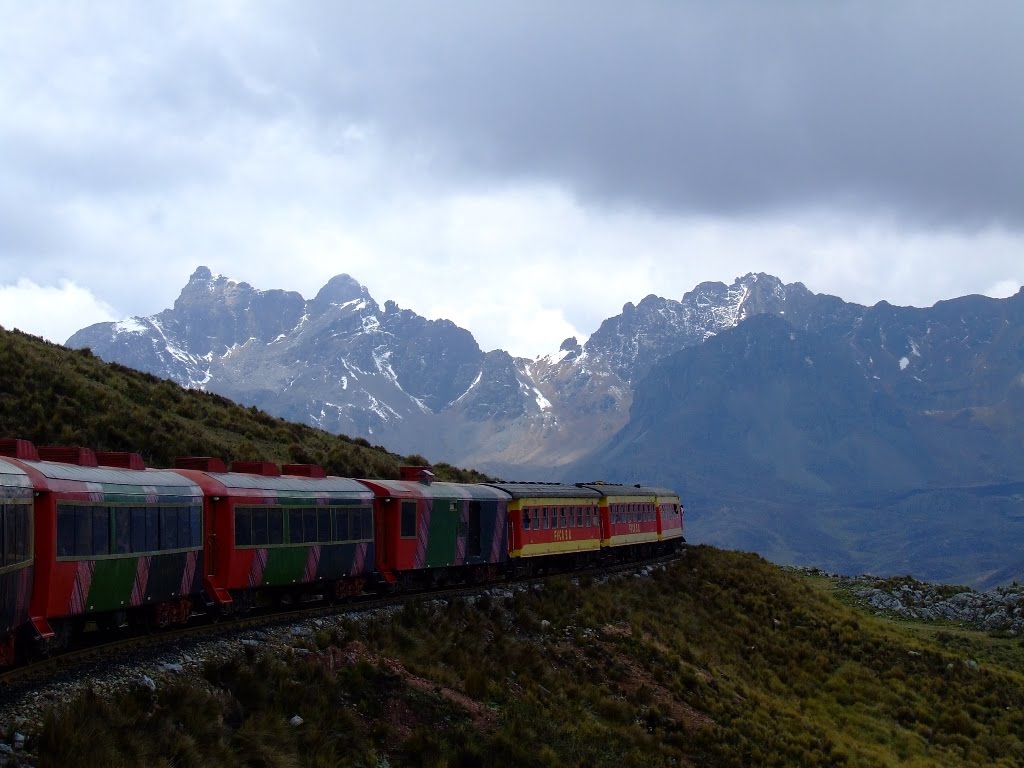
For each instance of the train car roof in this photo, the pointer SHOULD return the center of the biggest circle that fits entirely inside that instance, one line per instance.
(75, 478)
(546, 491)
(415, 489)
(12, 476)
(615, 489)
(288, 485)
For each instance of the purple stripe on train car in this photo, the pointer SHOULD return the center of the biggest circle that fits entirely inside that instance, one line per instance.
(359, 558)
(460, 539)
(190, 572)
(312, 563)
(141, 579)
(83, 581)
(498, 540)
(422, 532)
(259, 565)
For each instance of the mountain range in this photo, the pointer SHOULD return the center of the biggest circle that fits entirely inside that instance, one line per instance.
(796, 424)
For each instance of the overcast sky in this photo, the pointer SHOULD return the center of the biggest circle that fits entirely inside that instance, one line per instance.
(522, 168)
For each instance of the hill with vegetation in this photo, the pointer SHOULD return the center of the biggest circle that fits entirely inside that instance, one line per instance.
(718, 659)
(55, 396)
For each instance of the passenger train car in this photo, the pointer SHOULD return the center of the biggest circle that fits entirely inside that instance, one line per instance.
(97, 539)
(282, 533)
(16, 555)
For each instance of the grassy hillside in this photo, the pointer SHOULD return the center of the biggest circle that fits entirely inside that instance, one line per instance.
(722, 659)
(52, 395)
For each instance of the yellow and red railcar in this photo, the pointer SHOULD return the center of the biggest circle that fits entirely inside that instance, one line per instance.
(552, 526)
(631, 524)
(670, 519)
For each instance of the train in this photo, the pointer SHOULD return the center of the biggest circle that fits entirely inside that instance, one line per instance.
(97, 540)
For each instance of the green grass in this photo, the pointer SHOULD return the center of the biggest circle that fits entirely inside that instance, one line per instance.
(722, 659)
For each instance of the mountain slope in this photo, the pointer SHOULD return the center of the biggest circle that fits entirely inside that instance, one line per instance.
(828, 448)
(53, 395)
(719, 659)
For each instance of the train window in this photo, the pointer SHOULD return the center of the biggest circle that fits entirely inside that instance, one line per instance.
(260, 531)
(275, 525)
(526, 519)
(152, 529)
(195, 516)
(562, 522)
(571, 517)
(168, 528)
(309, 524)
(361, 524)
(579, 517)
(83, 530)
(323, 524)
(544, 518)
(65, 530)
(101, 530)
(408, 519)
(6, 536)
(295, 530)
(122, 530)
(21, 514)
(366, 515)
(341, 525)
(356, 525)
(184, 528)
(243, 527)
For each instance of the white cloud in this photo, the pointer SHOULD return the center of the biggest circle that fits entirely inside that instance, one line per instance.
(141, 142)
(1004, 288)
(53, 312)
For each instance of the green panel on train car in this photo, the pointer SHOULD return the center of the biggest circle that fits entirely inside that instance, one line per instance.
(285, 565)
(444, 525)
(112, 583)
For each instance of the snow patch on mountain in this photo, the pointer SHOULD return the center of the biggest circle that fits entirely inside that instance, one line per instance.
(131, 325)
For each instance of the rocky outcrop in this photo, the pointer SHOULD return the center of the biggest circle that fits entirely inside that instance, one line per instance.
(995, 610)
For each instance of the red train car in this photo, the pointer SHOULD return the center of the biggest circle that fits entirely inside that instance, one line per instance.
(630, 520)
(281, 537)
(111, 544)
(432, 533)
(16, 557)
(552, 526)
(670, 518)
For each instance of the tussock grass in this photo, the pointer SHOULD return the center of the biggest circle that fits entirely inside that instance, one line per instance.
(722, 659)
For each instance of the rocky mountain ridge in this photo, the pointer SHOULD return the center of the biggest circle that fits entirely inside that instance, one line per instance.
(345, 363)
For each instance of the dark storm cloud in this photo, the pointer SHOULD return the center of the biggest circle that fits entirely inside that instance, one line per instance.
(908, 109)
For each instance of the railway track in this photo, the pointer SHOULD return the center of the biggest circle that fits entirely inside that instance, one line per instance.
(104, 649)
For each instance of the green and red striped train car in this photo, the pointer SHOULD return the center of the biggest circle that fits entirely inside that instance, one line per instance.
(16, 556)
(282, 536)
(111, 544)
(430, 532)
